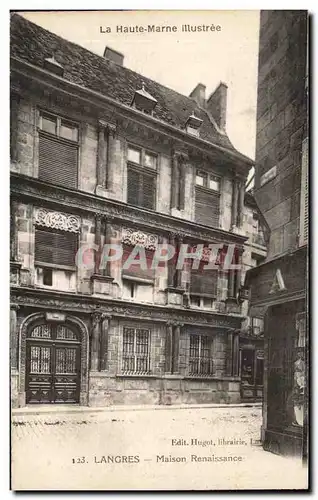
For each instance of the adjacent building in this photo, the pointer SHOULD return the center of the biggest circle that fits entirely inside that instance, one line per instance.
(102, 155)
(279, 285)
(252, 331)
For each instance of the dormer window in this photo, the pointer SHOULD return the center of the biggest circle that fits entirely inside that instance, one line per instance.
(144, 101)
(193, 124)
(51, 64)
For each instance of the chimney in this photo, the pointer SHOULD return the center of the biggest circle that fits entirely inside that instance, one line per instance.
(114, 56)
(198, 95)
(216, 105)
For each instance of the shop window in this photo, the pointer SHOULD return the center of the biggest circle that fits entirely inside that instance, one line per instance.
(136, 351)
(299, 370)
(200, 357)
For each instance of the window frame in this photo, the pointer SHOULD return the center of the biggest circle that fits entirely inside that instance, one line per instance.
(199, 358)
(135, 372)
(208, 176)
(58, 120)
(52, 265)
(143, 170)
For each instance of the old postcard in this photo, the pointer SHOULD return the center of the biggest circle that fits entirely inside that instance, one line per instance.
(159, 230)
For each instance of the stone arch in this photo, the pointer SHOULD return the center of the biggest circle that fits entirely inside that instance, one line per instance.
(31, 321)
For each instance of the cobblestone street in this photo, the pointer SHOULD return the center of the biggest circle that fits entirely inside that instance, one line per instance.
(71, 450)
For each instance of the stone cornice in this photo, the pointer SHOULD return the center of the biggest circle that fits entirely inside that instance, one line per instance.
(86, 304)
(58, 198)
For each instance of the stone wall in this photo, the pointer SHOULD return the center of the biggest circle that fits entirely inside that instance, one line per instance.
(111, 387)
(25, 159)
(281, 117)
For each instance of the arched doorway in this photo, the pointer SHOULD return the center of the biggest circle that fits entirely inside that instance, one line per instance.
(53, 361)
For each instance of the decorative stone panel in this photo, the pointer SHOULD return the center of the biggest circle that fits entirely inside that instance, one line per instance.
(146, 240)
(57, 220)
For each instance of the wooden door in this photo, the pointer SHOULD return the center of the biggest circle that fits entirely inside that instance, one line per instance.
(53, 365)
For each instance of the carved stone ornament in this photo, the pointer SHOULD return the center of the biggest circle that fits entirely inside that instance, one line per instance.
(146, 240)
(57, 220)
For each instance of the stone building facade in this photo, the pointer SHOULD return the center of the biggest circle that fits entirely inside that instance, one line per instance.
(279, 285)
(102, 155)
(252, 331)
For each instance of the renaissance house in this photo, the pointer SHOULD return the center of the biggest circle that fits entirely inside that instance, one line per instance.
(101, 154)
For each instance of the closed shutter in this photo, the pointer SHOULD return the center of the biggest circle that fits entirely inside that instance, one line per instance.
(141, 188)
(55, 247)
(58, 161)
(204, 282)
(148, 191)
(133, 182)
(135, 270)
(207, 207)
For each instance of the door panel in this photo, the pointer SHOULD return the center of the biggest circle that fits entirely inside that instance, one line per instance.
(66, 374)
(39, 370)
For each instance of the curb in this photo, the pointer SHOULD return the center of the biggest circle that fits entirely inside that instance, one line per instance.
(87, 409)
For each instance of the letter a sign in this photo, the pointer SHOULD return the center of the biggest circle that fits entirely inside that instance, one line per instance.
(278, 284)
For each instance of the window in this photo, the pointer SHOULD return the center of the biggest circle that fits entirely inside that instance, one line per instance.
(201, 178)
(141, 177)
(195, 300)
(55, 247)
(136, 351)
(257, 326)
(58, 150)
(134, 155)
(47, 277)
(203, 282)
(207, 199)
(200, 361)
(141, 292)
(202, 302)
(135, 270)
(209, 181)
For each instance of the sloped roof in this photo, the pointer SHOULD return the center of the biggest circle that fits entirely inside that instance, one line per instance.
(33, 44)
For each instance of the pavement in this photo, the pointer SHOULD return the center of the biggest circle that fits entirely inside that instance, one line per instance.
(213, 447)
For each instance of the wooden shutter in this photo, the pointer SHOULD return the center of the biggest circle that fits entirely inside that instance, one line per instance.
(133, 183)
(135, 270)
(148, 191)
(58, 161)
(207, 207)
(303, 233)
(203, 282)
(55, 247)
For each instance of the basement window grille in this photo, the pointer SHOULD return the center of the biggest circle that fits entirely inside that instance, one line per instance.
(136, 351)
(200, 359)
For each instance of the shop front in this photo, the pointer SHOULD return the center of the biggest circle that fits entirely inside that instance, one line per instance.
(278, 288)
